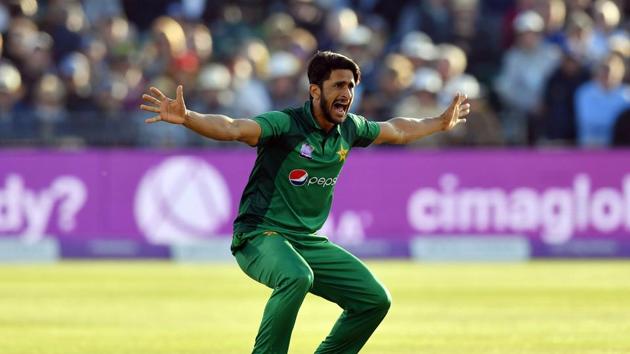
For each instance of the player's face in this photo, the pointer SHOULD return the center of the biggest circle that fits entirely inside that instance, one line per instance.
(337, 94)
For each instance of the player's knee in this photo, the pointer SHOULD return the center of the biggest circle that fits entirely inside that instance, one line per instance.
(377, 299)
(380, 301)
(383, 300)
(301, 280)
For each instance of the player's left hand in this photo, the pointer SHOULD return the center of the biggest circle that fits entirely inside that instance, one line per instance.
(168, 110)
(456, 112)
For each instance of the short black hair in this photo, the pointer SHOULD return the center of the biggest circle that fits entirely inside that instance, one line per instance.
(323, 63)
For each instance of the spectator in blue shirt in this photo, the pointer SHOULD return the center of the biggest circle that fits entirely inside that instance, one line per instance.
(599, 102)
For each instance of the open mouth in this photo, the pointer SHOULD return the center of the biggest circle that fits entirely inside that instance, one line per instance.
(340, 108)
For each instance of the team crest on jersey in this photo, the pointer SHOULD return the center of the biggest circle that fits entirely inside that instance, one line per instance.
(298, 177)
(306, 151)
(343, 153)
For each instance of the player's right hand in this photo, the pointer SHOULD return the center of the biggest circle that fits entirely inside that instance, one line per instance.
(168, 110)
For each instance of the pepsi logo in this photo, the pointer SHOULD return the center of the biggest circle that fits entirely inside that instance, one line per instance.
(298, 177)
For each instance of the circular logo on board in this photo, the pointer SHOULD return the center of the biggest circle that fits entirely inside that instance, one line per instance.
(182, 199)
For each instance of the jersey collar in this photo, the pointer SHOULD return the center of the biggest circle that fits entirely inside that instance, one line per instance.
(311, 120)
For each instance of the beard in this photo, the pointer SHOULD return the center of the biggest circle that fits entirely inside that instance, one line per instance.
(325, 107)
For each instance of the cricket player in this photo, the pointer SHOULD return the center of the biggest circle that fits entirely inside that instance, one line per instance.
(300, 153)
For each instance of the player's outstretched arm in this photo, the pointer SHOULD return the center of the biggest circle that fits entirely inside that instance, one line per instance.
(402, 130)
(213, 126)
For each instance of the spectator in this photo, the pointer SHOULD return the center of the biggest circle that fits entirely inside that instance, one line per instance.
(95, 51)
(521, 90)
(422, 101)
(64, 21)
(508, 29)
(419, 49)
(620, 44)
(578, 35)
(554, 14)
(559, 103)
(214, 94)
(451, 64)
(19, 33)
(12, 125)
(482, 126)
(251, 95)
(600, 101)
(394, 79)
(199, 41)
(433, 17)
(38, 60)
(75, 71)
(284, 69)
(48, 113)
(214, 90)
(356, 44)
(302, 44)
(277, 29)
(607, 17)
(336, 25)
(168, 43)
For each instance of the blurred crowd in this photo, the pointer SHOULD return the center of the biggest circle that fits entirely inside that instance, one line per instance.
(537, 72)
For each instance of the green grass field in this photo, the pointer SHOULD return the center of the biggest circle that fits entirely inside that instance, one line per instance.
(159, 307)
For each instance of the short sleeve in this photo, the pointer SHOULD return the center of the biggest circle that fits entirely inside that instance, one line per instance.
(365, 131)
(272, 125)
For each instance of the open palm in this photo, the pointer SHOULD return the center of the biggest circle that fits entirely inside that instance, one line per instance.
(456, 112)
(168, 110)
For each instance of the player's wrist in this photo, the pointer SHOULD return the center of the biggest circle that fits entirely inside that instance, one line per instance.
(187, 117)
(441, 122)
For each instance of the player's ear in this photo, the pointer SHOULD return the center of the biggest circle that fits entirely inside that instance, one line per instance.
(315, 91)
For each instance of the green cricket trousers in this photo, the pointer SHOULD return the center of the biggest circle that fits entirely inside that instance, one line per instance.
(293, 265)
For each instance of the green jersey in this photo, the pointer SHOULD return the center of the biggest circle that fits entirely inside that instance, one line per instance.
(290, 188)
